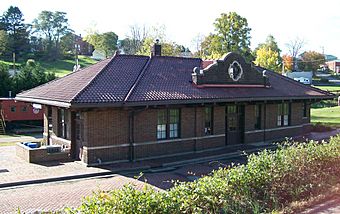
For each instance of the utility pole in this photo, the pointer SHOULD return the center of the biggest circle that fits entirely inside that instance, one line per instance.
(14, 63)
(77, 47)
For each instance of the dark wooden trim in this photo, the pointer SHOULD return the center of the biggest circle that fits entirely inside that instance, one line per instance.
(73, 135)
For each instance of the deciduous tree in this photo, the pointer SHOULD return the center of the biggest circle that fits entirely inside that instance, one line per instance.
(287, 62)
(311, 61)
(106, 42)
(53, 25)
(267, 58)
(232, 34)
(268, 54)
(135, 39)
(294, 47)
(169, 48)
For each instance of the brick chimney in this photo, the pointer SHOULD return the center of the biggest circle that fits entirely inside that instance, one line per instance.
(156, 49)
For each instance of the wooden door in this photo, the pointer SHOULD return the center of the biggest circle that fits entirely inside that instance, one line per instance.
(234, 124)
(77, 139)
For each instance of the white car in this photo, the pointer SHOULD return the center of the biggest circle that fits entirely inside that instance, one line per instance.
(303, 80)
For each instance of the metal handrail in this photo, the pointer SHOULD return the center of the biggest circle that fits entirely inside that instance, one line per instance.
(2, 117)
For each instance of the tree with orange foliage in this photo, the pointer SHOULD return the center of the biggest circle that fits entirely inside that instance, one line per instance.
(288, 62)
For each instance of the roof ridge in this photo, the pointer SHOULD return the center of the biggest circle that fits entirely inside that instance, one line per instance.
(177, 57)
(141, 74)
(93, 78)
(58, 78)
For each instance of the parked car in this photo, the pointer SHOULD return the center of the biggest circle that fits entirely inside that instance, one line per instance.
(303, 80)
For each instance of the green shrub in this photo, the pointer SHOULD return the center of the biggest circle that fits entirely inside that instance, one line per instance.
(269, 181)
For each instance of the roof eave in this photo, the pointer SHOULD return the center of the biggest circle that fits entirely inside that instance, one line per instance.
(44, 101)
(194, 101)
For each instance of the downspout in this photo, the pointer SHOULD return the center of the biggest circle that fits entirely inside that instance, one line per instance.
(48, 125)
(131, 135)
(265, 121)
(195, 127)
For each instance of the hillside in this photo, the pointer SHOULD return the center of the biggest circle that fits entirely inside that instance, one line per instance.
(61, 67)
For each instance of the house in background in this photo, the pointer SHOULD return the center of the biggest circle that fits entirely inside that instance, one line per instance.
(329, 57)
(334, 65)
(132, 107)
(84, 48)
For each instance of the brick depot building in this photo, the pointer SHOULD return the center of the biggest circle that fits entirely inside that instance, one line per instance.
(133, 107)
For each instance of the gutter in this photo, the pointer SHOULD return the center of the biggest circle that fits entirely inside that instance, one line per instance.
(194, 101)
(166, 102)
(45, 102)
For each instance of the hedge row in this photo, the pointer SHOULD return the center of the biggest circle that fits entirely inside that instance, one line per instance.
(268, 182)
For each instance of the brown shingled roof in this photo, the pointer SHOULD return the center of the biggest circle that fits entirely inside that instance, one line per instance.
(137, 80)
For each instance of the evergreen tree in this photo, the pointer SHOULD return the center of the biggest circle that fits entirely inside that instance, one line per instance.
(12, 22)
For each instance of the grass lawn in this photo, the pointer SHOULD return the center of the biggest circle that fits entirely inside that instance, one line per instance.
(10, 135)
(10, 64)
(329, 116)
(329, 88)
(63, 67)
(60, 67)
(7, 144)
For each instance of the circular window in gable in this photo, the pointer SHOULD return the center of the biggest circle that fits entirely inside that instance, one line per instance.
(235, 71)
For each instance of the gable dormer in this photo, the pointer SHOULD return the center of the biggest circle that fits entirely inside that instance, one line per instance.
(230, 71)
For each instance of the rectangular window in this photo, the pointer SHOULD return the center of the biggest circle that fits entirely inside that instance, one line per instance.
(208, 120)
(304, 109)
(168, 123)
(258, 116)
(24, 108)
(174, 123)
(231, 109)
(13, 108)
(161, 124)
(232, 117)
(49, 118)
(62, 116)
(283, 114)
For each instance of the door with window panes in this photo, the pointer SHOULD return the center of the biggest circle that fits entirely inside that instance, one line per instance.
(234, 124)
(79, 129)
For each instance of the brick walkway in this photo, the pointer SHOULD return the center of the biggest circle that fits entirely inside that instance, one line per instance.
(14, 169)
(55, 196)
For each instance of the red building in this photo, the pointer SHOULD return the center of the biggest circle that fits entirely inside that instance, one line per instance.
(19, 111)
(334, 66)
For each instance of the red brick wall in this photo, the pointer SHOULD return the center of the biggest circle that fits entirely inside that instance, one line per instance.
(188, 122)
(219, 120)
(297, 119)
(105, 154)
(145, 123)
(108, 127)
(163, 148)
(209, 143)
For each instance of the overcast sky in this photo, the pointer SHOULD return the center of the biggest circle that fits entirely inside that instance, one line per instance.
(317, 22)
